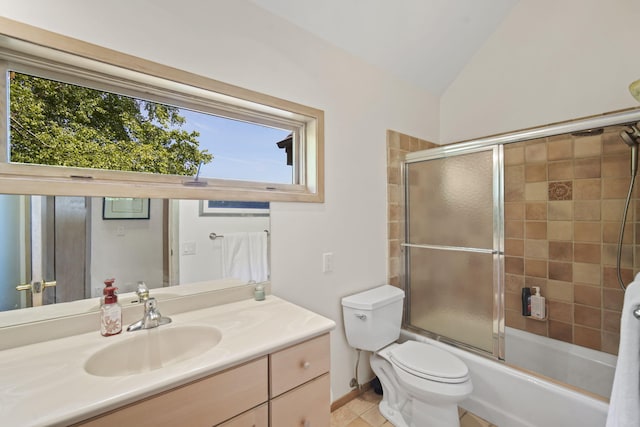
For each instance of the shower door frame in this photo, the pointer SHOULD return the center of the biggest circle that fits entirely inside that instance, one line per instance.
(497, 251)
(605, 120)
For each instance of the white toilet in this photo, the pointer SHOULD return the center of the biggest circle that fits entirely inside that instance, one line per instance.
(422, 384)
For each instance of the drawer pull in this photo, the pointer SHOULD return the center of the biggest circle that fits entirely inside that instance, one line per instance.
(306, 365)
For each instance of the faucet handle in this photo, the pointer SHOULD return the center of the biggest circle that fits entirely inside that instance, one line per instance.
(152, 316)
(142, 291)
(150, 305)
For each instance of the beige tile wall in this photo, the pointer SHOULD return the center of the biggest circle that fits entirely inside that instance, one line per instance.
(563, 204)
(398, 145)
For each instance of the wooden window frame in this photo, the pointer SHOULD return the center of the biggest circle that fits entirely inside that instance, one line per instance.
(28, 48)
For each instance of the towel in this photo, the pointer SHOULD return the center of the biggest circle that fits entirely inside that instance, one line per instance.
(244, 256)
(624, 406)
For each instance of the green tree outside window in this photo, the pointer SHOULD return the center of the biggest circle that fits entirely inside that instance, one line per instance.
(55, 123)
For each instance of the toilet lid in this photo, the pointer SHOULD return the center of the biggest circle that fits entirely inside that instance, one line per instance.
(429, 362)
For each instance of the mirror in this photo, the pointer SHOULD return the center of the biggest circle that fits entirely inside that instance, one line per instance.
(57, 250)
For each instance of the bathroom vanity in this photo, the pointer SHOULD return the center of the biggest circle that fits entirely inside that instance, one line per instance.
(267, 364)
(290, 386)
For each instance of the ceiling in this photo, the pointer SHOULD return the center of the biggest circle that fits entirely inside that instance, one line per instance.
(425, 42)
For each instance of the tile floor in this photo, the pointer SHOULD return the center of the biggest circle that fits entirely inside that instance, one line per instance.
(363, 412)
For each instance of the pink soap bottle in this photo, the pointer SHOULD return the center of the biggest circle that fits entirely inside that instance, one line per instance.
(110, 311)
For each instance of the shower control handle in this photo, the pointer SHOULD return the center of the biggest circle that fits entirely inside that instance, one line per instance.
(361, 316)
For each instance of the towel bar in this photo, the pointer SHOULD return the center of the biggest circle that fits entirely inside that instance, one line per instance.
(214, 236)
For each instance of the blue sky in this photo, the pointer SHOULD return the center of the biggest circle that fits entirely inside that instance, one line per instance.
(241, 150)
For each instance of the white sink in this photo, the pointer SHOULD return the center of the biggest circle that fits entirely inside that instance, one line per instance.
(151, 349)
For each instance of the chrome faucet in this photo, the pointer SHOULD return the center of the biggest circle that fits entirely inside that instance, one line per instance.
(152, 317)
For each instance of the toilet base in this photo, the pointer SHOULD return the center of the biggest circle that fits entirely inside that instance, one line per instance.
(422, 415)
(393, 416)
(404, 410)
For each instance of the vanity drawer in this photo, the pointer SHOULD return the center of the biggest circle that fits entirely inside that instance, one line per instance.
(298, 364)
(258, 417)
(205, 402)
(307, 405)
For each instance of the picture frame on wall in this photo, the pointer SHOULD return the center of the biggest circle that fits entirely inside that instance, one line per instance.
(125, 208)
(233, 208)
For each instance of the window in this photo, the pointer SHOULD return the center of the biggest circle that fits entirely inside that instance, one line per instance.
(76, 125)
(61, 124)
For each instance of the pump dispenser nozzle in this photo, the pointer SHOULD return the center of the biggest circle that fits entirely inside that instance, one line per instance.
(109, 292)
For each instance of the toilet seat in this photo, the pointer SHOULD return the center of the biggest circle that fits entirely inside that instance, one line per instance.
(429, 362)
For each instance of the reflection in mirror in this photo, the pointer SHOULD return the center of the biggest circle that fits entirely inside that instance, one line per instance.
(57, 249)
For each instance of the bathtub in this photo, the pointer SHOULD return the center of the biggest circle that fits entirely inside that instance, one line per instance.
(508, 397)
(581, 367)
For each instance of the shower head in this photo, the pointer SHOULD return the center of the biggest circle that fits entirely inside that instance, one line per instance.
(627, 138)
(631, 136)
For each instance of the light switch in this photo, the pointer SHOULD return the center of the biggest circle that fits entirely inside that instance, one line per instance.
(327, 262)
(189, 248)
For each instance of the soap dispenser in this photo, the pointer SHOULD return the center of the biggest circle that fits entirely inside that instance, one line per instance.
(537, 304)
(110, 311)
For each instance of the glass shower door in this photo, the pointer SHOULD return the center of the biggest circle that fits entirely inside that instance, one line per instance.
(453, 246)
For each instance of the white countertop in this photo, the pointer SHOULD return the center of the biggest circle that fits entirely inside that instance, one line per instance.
(46, 384)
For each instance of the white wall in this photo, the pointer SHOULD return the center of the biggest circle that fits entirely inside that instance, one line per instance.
(549, 61)
(236, 42)
(128, 250)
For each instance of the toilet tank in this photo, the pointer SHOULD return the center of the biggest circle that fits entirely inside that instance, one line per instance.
(372, 318)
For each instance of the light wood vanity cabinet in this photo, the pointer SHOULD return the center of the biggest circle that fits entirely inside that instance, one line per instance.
(299, 384)
(305, 406)
(206, 402)
(289, 388)
(258, 417)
